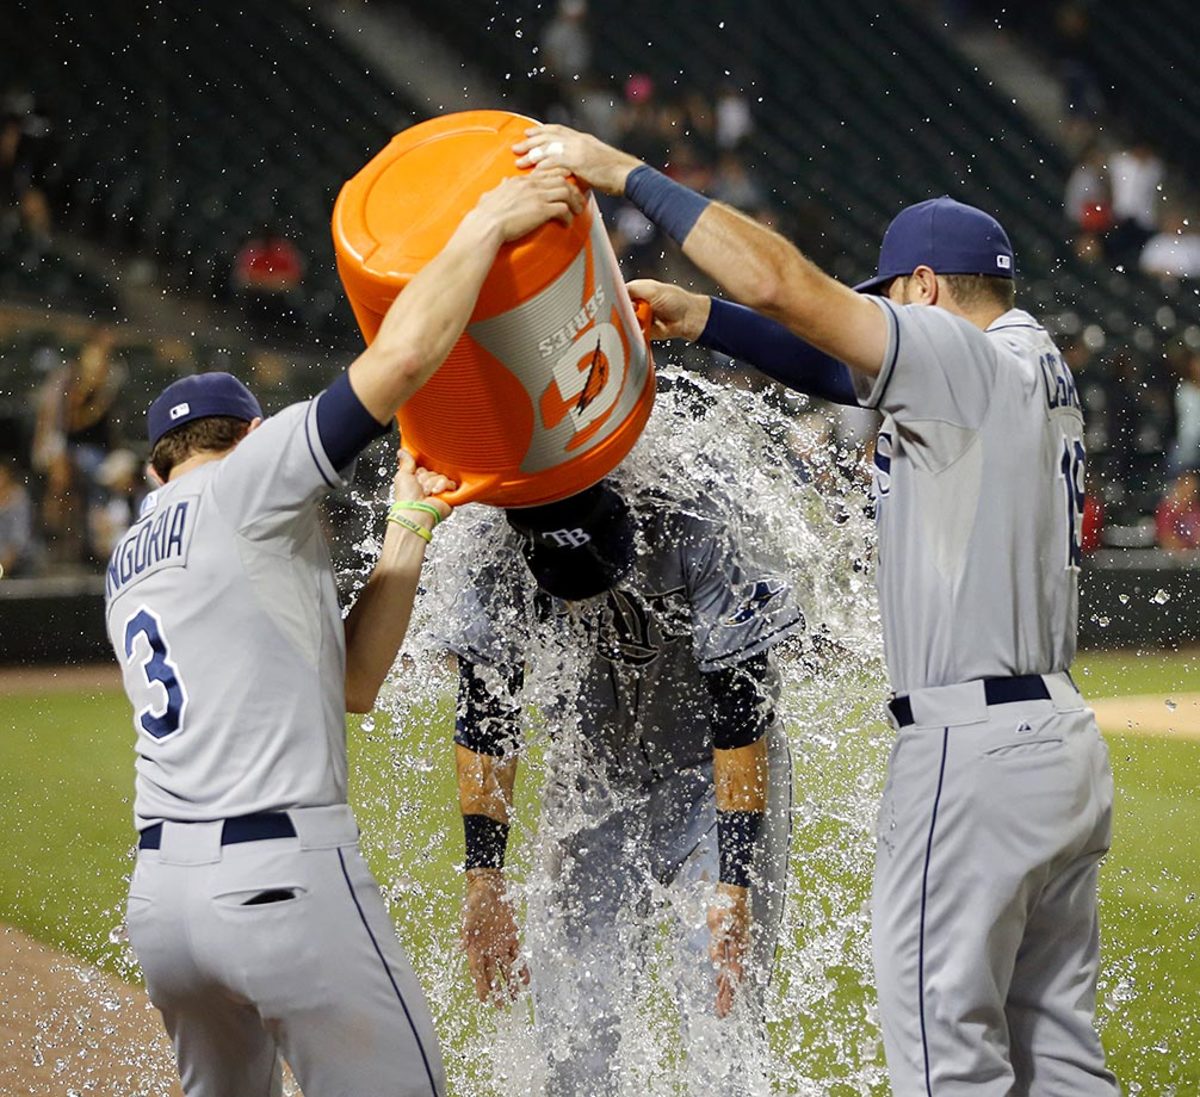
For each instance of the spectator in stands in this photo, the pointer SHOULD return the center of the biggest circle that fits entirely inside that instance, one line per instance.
(1073, 51)
(24, 206)
(123, 487)
(1174, 253)
(1136, 177)
(16, 523)
(1185, 450)
(566, 44)
(1088, 199)
(735, 122)
(639, 126)
(1178, 516)
(74, 432)
(267, 273)
(1092, 526)
(734, 186)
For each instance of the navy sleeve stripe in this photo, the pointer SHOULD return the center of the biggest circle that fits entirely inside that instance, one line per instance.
(344, 426)
(316, 459)
(890, 367)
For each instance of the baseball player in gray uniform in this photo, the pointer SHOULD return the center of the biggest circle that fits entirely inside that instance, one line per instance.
(998, 803)
(257, 924)
(660, 627)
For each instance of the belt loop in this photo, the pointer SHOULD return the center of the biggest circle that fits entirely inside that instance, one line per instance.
(190, 843)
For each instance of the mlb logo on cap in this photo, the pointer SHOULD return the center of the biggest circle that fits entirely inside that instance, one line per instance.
(1004, 262)
(199, 397)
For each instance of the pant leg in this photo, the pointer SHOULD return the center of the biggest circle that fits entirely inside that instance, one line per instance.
(584, 932)
(221, 1046)
(726, 1056)
(351, 1018)
(1052, 1000)
(973, 821)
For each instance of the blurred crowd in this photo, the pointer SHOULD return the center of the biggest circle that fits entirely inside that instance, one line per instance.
(71, 482)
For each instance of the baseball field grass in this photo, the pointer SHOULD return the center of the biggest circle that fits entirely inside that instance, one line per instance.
(65, 812)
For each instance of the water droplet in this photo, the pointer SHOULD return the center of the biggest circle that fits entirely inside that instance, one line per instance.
(368, 723)
(1160, 597)
(1123, 599)
(1172, 705)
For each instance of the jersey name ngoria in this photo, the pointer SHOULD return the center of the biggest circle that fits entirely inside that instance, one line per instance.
(222, 610)
(979, 490)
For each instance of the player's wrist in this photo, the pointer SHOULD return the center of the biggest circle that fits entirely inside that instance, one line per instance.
(416, 517)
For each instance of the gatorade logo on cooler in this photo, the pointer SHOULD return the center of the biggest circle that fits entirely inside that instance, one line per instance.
(595, 353)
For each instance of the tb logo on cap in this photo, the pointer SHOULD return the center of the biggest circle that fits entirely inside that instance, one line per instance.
(179, 410)
(567, 538)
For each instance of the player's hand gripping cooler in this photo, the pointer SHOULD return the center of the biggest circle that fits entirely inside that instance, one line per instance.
(552, 381)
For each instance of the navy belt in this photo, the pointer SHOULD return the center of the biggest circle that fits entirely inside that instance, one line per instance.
(996, 691)
(243, 828)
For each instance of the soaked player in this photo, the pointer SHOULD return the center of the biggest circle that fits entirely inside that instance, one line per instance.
(662, 628)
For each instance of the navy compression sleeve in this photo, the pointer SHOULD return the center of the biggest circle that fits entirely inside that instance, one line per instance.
(772, 349)
(673, 207)
(345, 426)
(740, 716)
(487, 720)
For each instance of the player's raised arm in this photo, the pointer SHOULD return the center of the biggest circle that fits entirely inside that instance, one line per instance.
(743, 334)
(486, 734)
(755, 265)
(424, 321)
(378, 621)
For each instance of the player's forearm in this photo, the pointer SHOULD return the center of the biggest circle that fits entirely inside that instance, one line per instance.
(377, 623)
(740, 777)
(485, 792)
(426, 319)
(485, 783)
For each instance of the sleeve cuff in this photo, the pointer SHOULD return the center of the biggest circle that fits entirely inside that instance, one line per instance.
(870, 391)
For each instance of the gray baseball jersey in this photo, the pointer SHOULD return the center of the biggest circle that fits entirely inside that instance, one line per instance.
(979, 492)
(224, 616)
(693, 603)
(994, 816)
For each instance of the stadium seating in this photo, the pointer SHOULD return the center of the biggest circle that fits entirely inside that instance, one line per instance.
(185, 127)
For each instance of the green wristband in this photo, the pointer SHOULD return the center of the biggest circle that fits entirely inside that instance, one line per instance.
(412, 504)
(409, 524)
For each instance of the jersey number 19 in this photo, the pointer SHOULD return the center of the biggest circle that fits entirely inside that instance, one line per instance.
(1072, 469)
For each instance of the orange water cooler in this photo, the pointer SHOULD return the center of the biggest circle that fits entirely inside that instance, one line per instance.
(552, 381)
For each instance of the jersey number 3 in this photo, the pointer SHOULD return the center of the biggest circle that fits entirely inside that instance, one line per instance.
(158, 721)
(1071, 467)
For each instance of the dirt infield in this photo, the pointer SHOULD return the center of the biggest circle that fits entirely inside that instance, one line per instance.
(66, 1028)
(94, 676)
(1174, 717)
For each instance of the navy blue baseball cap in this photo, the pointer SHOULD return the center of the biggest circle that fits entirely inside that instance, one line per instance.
(199, 397)
(580, 546)
(947, 236)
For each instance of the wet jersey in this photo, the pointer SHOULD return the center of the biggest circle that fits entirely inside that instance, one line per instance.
(223, 613)
(979, 490)
(694, 603)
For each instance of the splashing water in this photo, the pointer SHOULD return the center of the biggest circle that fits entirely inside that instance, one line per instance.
(803, 508)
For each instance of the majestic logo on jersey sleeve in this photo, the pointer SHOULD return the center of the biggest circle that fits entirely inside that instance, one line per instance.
(160, 540)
